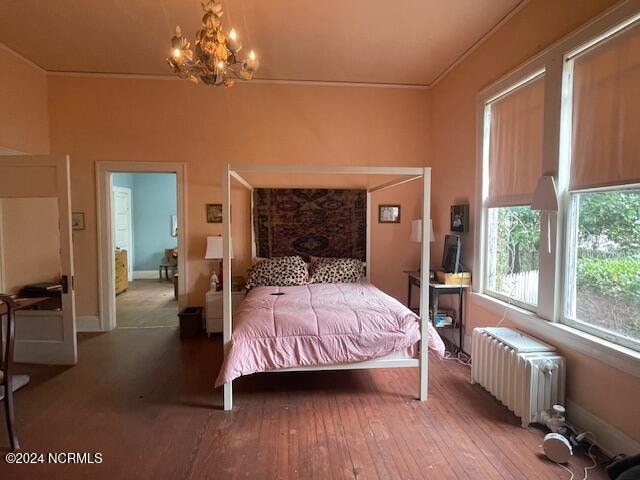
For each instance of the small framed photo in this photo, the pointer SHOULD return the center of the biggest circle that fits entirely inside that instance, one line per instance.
(389, 214)
(174, 225)
(214, 213)
(77, 221)
(460, 218)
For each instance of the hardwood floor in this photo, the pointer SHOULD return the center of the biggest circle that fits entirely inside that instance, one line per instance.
(147, 303)
(145, 400)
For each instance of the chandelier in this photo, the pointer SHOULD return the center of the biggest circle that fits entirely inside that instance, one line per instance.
(216, 54)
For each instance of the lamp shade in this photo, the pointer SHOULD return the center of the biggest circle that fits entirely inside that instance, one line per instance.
(546, 196)
(416, 231)
(214, 248)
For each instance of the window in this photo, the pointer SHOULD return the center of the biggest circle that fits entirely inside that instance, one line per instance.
(512, 256)
(603, 273)
(571, 112)
(513, 145)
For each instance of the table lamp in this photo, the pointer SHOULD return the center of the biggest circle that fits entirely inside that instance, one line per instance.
(416, 231)
(214, 252)
(416, 236)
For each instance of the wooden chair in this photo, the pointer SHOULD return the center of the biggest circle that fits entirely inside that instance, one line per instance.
(6, 368)
(170, 262)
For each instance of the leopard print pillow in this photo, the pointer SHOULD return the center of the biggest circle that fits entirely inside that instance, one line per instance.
(337, 270)
(278, 272)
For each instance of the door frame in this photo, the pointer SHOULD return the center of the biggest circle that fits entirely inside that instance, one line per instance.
(130, 252)
(106, 254)
(52, 351)
(2, 274)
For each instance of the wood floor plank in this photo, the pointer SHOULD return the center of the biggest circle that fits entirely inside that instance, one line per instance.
(145, 400)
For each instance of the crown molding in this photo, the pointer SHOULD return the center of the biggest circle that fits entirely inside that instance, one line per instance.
(479, 42)
(257, 81)
(22, 57)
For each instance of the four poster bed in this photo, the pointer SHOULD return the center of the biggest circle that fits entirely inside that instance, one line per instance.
(324, 326)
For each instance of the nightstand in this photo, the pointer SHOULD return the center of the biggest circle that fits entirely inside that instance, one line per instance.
(214, 309)
(435, 290)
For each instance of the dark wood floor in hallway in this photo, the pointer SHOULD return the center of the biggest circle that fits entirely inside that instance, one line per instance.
(145, 400)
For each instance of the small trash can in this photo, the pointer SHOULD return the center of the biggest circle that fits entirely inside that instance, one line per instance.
(190, 322)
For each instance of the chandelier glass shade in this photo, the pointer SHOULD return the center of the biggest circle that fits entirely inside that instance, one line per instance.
(215, 60)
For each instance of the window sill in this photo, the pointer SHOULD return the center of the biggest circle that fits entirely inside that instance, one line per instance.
(612, 354)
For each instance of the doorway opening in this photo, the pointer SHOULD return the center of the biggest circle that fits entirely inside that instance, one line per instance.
(141, 224)
(144, 232)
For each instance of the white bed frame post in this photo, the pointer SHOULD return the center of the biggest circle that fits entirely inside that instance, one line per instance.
(368, 245)
(425, 264)
(226, 274)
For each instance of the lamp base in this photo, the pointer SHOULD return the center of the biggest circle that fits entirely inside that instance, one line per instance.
(214, 282)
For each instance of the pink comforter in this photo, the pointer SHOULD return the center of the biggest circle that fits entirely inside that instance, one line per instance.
(318, 324)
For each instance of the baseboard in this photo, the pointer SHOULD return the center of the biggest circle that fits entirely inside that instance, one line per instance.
(88, 323)
(145, 274)
(611, 440)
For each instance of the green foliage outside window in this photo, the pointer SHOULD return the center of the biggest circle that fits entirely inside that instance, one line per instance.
(608, 261)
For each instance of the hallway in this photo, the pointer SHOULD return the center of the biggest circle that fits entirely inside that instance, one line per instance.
(147, 303)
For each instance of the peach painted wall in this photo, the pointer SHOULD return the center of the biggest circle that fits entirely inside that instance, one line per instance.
(96, 119)
(24, 119)
(390, 242)
(591, 384)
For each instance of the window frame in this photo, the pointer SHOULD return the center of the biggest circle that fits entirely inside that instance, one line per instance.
(500, 90)
(569, 278)
(556, 63)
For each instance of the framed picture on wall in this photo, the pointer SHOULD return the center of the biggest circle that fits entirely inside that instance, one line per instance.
(214, 213)
(174, 225)
(460, 218)
(389, 214)
(77, 221)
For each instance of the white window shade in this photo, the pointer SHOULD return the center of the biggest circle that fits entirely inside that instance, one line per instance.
(606, 113)
(515, 144)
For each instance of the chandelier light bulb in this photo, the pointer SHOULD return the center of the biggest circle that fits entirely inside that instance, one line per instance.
(177, 53)
(251, 63)
(233, 42)
(221, 65)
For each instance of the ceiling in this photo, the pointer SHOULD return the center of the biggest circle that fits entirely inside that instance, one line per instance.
(405, 42)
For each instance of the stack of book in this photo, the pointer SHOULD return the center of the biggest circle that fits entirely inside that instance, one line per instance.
(443, 319)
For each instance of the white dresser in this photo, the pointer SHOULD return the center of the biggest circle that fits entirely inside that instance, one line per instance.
(214, 309)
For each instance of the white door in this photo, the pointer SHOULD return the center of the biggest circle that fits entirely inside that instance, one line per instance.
(37, 247)
(123, 224)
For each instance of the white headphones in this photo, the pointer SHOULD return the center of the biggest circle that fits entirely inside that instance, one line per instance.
(557, 448)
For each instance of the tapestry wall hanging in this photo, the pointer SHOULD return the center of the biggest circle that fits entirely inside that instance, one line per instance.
(310, 222)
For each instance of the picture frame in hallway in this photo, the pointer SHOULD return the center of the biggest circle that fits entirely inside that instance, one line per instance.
(214, 213)
(77, 221)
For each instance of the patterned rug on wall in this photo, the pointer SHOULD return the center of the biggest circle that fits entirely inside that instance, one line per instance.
(310, 222)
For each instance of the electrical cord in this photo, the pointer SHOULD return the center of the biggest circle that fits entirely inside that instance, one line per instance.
(509, 304)
(568, 470)
(593, 443)
(460, 357)
(594, 464)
